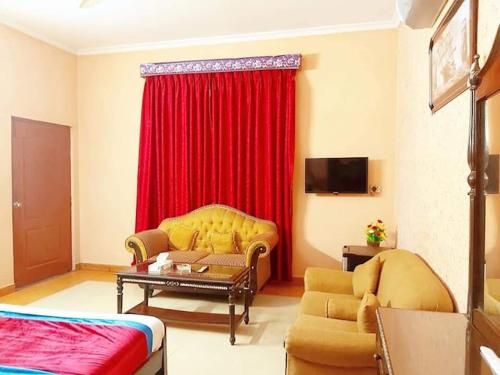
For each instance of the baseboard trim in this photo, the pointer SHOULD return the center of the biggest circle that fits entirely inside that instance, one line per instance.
(99, 267)
(7, 290)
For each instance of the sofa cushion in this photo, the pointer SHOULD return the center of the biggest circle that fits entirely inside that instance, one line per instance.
(235, 260)
(365, 277)
(182, 237)
(407, 282)
(316, 303)
(222, 243)
(187, 256)
(367, 320)
(346, 309)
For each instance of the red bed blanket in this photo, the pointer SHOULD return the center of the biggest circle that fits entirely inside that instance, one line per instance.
(34, 344)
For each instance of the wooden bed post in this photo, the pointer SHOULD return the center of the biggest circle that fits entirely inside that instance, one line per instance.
(164, 346)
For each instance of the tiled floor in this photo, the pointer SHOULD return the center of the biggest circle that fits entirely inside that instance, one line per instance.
(53, 285)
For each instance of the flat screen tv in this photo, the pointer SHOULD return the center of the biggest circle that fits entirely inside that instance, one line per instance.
(337, 175)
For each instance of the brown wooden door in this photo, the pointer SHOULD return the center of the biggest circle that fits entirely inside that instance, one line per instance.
(41, 192)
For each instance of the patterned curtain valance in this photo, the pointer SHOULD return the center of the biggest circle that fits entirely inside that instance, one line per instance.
(222, 65)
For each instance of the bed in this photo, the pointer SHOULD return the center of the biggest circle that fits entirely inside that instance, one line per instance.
(41, 341)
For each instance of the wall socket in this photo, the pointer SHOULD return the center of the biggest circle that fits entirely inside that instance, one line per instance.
(375, 189)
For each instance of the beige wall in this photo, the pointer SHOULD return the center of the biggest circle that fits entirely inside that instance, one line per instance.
(492, 243)
(346, 94)
(361, 93)
(37, 82)
(490, 14)
(432, 205)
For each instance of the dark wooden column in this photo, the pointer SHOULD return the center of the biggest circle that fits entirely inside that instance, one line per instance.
(477, 158)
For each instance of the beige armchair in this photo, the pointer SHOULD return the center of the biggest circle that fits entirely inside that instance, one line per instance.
(327, 338)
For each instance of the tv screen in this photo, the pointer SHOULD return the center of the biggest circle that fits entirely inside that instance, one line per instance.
(337, 175)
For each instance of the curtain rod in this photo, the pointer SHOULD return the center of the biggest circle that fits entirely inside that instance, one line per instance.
(291, 61)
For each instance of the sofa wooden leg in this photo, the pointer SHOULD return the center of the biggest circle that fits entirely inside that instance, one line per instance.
(253, 272)
(253, 283)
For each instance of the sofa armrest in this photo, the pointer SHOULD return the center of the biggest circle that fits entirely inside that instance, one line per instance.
(147, 244)
(264, 243)
(338, 348)
(328, 281)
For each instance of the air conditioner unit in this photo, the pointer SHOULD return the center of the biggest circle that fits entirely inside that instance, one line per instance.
(419, 14)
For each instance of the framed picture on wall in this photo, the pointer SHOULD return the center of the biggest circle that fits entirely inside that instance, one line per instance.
(451, 51)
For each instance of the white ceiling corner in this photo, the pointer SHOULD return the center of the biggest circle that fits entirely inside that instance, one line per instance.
(108, 26)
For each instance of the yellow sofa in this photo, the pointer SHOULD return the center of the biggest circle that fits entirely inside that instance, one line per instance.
(316, 344)
(255, 239)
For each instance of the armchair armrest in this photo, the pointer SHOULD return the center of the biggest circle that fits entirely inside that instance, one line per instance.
(147, 244)
(264, 243)
(331, 348)
(328, 281)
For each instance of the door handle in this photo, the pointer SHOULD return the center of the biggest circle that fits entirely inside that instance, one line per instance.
(17, 204)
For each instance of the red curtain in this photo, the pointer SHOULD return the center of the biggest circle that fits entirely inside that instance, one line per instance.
(219, 138)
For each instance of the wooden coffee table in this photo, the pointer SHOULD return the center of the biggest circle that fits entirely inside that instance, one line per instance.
(231, 282)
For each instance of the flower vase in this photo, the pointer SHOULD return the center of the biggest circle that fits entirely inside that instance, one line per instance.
(373, 243)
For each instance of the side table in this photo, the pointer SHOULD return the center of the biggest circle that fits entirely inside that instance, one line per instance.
(353, 255)
(412, 342)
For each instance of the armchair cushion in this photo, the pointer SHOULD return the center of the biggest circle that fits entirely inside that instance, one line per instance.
(330, 342)
(367, 320)
(342, 308)
(328, 281)
(222, 243)
(316, 303)
(182, 237)
(365, 277)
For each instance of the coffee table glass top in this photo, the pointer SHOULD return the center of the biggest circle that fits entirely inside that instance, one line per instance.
(215, 273)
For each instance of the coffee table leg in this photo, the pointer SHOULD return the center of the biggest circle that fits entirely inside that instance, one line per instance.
(232, 338)
(246, 290)
(146, 294)
(119, 296)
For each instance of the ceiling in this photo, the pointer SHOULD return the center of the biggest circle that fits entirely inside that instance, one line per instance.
(121, 25)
